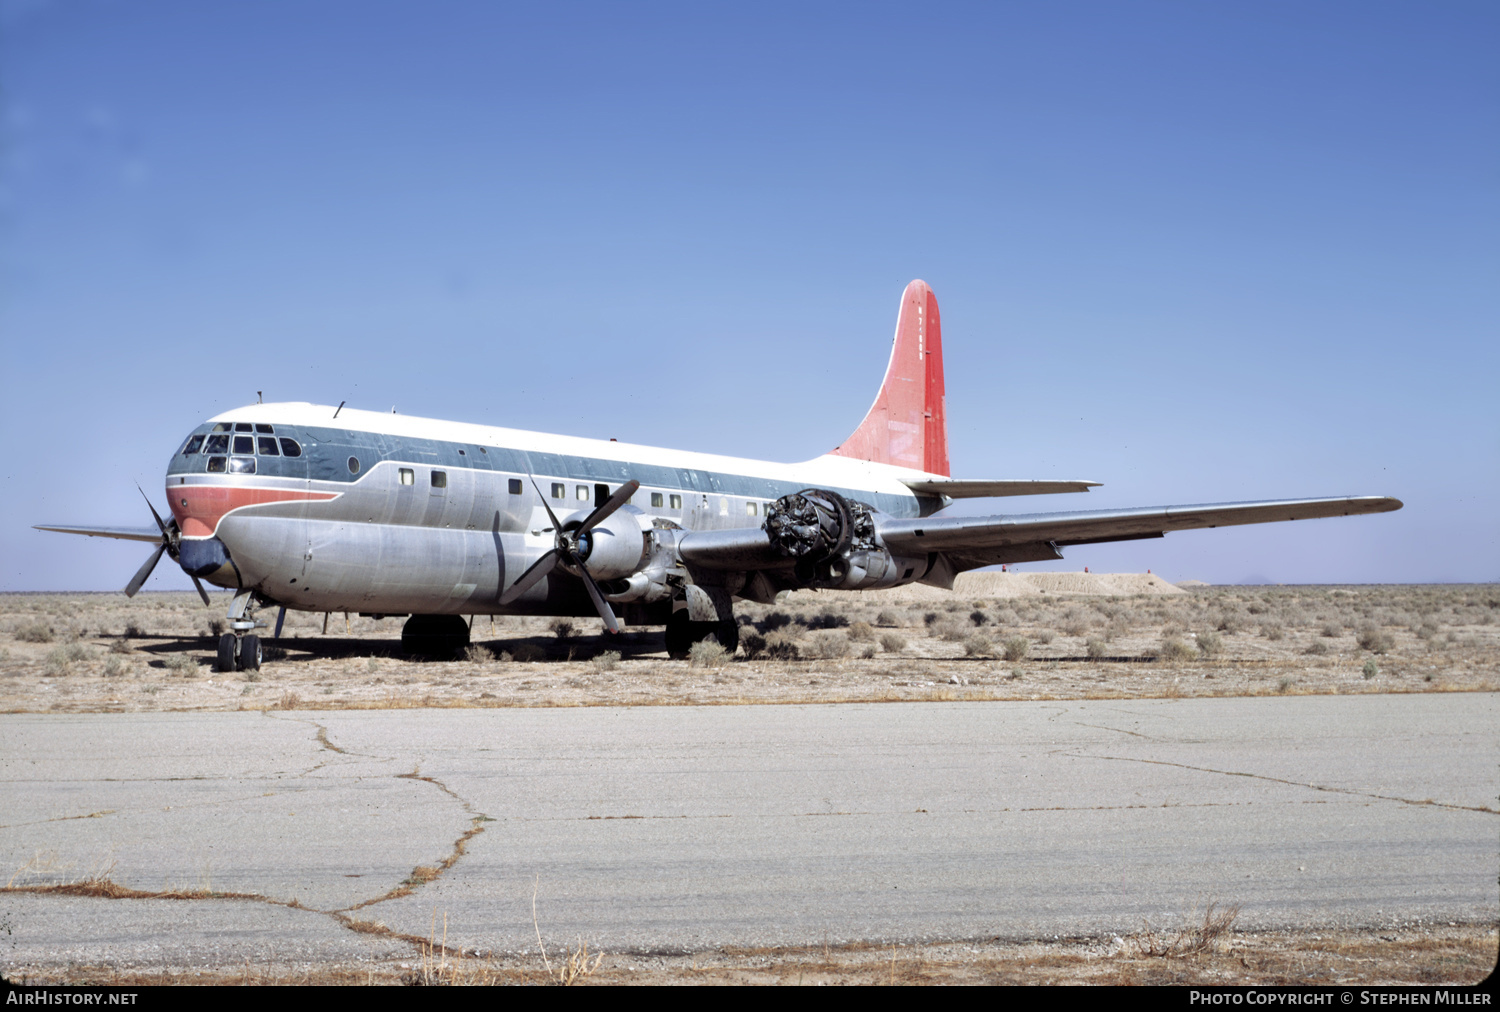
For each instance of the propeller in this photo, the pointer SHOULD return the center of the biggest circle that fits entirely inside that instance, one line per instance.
(171, 539)
(572, 549)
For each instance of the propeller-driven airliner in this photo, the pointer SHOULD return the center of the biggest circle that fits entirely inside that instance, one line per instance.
(321, 508)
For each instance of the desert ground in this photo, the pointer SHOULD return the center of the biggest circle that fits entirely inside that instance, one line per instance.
(994, 637)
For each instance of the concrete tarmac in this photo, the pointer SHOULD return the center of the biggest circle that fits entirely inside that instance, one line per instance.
(685, 828)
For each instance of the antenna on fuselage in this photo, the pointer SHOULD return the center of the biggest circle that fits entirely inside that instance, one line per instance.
(339, 408)
(260, 397)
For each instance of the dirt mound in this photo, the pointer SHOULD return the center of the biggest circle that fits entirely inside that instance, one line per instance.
(1000, 585)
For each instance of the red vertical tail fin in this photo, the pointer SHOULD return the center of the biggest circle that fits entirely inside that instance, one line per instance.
(907, 425)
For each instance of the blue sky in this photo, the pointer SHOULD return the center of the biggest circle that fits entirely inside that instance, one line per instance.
(1198, 252)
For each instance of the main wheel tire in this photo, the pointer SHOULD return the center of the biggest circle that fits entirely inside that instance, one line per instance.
(250, 655)
(680, 638)
(435, 635)
(727, 633)
(228, 651)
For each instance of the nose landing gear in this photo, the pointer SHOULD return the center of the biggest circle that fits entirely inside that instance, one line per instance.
(240, 650)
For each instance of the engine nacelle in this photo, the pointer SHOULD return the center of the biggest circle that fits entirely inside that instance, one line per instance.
(614, 548)
(835, 542)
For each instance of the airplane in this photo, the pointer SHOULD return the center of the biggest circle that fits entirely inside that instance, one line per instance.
(319, 508)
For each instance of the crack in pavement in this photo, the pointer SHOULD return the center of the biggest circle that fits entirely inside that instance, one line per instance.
(1425, 803)
(102, 887)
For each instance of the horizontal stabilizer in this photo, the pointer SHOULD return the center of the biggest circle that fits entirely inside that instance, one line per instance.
(963, 488)
(152, 534)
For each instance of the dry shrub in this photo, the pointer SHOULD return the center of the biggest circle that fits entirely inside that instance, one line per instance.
(753, 644)
(868, 650)
(1272, 631)
(119, 647)
(1044, 637)
(528, 653)
(978, 617)
(1213, 930)
(607, 661)
(1174, 648)
(479, 655)
(978, 646)
(1317, 649)
(773, 621)
(707, 654)
(114, 667)
(60, 661)
(782, 646)
(562, 628)
(1210, 643)
(950, 632)
(133, 631)
(181, 664)
(1332, 630)
(888, 619)
(892, 643)
(1375, 640)
(828, 645)
(1016, 648)
(37, 632)
(289, 700)
(861, 632)
(1096, 648)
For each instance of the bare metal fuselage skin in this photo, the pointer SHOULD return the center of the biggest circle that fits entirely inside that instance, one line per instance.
(390, 514)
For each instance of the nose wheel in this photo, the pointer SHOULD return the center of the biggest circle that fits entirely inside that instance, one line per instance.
(239, 653)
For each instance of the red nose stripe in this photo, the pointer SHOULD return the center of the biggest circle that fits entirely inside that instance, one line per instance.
(199, 508)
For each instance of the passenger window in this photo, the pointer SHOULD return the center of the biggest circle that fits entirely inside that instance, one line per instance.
(559, 490)
(461, 453)
(408, 476)
(677, 502)
(440, 479)
(243, 427)
(216, 465)
(194, 444)
(582, 492)
(241, 465)
(749, 509)
(765, 508)
(261, 427)
(290, 447)
(656, 499)
(267, 446)
(217, 444)
(244, 444)
(515, 486)
(354, 465)
(484, 451)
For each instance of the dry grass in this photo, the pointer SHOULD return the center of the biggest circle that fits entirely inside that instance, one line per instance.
(808, 649)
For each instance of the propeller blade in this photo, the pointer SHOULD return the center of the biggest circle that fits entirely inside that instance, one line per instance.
(614, 502)
(155, 515)
(204, 594)
(540, 568)
(600, 605)
(142, 574)
(557, 527)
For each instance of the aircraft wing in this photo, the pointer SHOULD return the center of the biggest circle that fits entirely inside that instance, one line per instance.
(151, 534)
(970, 542)
(969, 488)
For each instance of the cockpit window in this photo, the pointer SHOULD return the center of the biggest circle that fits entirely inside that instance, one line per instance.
(216, 444)
(243, 427)
(290, 447)
(216, 465)
(262, 427)
(241, 465)
(222, 427)
(194, 444)
(244, 444)
(267, 446)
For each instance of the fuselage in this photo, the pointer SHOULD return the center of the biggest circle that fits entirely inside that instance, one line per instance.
(327, 509)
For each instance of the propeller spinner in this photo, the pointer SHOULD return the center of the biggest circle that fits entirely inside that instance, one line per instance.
(171, 542)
